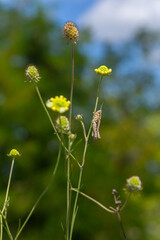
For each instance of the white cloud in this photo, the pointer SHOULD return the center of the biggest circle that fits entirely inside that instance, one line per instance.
(119, 20)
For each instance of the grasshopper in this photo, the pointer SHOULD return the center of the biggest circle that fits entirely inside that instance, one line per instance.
(96, 121)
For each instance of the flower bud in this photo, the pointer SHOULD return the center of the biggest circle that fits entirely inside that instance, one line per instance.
(14, 153)
(72, 136)
(32, 74)
(134, 184)
(79, 117)
(62, 124)
(103, 70)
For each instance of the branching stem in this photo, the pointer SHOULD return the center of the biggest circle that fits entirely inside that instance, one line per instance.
(125, 203)
(50, 119)
(93, 200)
(82, 166)
(8, 186)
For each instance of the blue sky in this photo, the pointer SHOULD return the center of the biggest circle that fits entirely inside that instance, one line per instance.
(110, 21)
(71, 10)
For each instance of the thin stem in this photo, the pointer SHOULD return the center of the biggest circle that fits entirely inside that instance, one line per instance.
(72, 84)
(8, 230)
(93, 200)
(50, 119)
(1, 222)
(96, 104)
(82, 165)
(122, 228)
(8, 186)
(125, 203)
(98, 91)
(117, 210)
(68, 199)
(42, 194)
(84, 130)
(69, 149)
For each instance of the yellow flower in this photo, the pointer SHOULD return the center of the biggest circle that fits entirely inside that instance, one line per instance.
(59, 104)
(14, 153)
(103, 70)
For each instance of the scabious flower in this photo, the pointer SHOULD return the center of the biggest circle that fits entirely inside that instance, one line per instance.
(103, 70)
(134, 184)
(32, 74)
(59, 104)
(62, 124)
(70, 31)
(14, 153)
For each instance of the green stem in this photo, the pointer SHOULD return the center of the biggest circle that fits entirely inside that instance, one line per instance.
(93, 200)
(96, 104)
(42, 194)
(1, 222)
(8, 186)
(84, 130)
(8, 230)
(69, 149)
(82, 165)
(98, 91)
(50, 119)
(72, 84)
(68, 199)
(125, 203)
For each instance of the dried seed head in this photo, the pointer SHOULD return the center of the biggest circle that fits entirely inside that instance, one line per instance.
(70, 31)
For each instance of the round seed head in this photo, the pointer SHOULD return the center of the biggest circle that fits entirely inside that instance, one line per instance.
(70, 31)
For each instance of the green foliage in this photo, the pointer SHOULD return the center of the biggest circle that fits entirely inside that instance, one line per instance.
(129, 131)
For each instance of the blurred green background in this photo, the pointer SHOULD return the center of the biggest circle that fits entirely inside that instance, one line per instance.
(130, 129)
